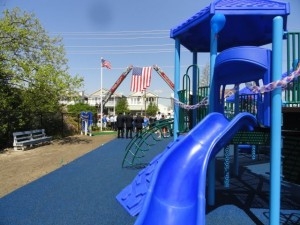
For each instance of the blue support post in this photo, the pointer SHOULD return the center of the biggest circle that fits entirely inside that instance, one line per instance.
(275, 171)
(195, 88)
(213, 56)
(217, 23)
(176, 88)
(236, 99)
(236, 160)
(253, 152)
(227, 166)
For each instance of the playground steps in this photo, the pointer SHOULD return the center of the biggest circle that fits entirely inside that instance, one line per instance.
(291, 157)
(251, 138)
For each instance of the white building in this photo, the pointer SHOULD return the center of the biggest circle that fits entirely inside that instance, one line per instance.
(138, 102)
(109, 107)
(81, 97)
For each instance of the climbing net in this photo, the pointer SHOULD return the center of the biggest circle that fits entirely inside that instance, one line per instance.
(255, 89)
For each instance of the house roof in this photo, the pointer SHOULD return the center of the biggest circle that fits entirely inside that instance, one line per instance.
(248, 22)
(142, 94)
(104, 92)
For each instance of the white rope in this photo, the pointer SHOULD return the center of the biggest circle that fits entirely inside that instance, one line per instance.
(255, 89)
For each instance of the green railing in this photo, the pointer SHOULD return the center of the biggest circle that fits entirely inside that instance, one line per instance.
(184, 117)
(291, 93)
(140, 144)
(203, 92)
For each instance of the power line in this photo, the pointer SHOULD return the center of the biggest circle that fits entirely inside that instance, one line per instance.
(118, 52)
(123, 51)
(121, 37)
(115, 46)
(114, 35)
(117, 33)
(123, 40)
(122, 68)
(114, 38)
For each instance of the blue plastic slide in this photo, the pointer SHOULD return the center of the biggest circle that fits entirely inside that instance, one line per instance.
(176, 194)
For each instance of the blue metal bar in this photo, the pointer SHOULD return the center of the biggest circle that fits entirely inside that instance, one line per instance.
(253, 152)
(195, 88)
(217, 23)
(211, 166)
(276, 123)
(236, 160)
(227, 166)
(213, 56)
(176, 87)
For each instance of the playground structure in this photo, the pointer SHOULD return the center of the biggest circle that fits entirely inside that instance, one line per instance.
(140, 144)
(247, 99)
(188, 159)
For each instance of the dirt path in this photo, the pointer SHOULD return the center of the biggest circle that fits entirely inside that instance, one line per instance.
(18, 168)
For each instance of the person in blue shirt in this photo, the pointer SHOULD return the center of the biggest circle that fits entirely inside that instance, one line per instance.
(104, 121)
(146, 122)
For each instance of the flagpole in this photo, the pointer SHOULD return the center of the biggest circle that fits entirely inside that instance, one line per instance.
(101, 93)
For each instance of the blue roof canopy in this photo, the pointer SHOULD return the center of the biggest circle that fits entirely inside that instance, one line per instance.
(248, 22)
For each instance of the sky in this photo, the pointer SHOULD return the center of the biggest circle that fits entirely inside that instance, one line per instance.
(131, 32)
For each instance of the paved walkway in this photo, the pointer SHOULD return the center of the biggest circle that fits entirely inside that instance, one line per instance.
(84, 191)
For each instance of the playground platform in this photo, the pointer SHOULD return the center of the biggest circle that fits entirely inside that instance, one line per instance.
(84, 191)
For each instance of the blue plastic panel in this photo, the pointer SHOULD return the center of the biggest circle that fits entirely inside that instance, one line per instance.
(176, 193)
(248, 22)
(244, 64)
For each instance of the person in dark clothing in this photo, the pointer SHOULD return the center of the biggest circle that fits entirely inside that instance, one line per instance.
(139, 124)
(120, 125)
(129, 125)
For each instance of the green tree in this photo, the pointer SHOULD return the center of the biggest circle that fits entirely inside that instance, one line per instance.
(33, 64)
(122, 106)
(152, 109)
(81, 107)
(204, 78)
(33, 73)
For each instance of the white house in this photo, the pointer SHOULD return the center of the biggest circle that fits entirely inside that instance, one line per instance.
(138, 102)
(109, 108)
(81, 97)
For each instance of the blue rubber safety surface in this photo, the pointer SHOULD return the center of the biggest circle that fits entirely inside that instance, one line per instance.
(81, 192)
(84, 191)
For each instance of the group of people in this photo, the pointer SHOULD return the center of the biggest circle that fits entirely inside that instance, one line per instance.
(129, 124)
(108, 122)
(164, 130)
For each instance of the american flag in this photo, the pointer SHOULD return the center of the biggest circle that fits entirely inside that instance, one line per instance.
(141, 78)
(105, 63)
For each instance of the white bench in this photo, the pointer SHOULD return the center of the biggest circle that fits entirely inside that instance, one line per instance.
(29, 138)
